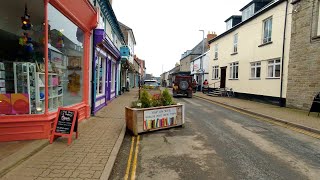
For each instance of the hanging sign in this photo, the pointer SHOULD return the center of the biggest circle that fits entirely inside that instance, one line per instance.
(65, 124)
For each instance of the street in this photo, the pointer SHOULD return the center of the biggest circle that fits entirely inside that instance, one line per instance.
(218, 143)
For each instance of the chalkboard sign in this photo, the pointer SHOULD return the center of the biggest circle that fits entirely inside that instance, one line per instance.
(315, 107)
(65, 121)
(65, 124)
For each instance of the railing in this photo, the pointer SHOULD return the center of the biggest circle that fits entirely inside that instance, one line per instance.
(214, 84)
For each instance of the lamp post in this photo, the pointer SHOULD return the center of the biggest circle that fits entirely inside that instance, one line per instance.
(201, 61)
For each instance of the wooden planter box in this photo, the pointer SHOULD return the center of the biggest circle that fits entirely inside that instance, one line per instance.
(155, 118)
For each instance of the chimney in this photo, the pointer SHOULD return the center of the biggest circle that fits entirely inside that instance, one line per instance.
(211, 35)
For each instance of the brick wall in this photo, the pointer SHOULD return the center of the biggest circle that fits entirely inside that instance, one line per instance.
(304, 63)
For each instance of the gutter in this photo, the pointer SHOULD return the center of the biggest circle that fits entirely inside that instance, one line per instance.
(281, 100)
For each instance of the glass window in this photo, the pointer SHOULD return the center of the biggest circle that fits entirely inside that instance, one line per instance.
(65, 39)
(216, 51)
(235, 43)
(274, 68)
(113, 76)
(100, 76)
(215, 72)
(21, 49)
(234, 70)
(255, 69)
(248, 12)
(229, 24)
(267, 30)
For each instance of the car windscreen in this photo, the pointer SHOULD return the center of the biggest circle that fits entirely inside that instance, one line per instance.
(151, 83)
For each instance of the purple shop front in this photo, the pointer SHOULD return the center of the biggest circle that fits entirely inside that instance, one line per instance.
(106, 57)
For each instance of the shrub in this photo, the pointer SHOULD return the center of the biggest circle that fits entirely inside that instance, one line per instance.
(166, 98)
(145, 99)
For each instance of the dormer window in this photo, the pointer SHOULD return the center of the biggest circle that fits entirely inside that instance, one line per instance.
(248, 12)
(229, 24)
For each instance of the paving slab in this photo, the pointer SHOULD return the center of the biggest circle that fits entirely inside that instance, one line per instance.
(87, 156)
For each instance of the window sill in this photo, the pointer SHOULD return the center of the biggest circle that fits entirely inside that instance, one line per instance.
(316, 38)
(233, 79)
(214, 79)
(264, 44)
(100, 95)
(215, 59)
(234, 53)
(272, 77)
(255, 79)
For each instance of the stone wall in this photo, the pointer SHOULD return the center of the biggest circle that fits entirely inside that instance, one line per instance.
(304, 63)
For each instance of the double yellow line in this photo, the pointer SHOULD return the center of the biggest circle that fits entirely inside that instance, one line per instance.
(134, 163)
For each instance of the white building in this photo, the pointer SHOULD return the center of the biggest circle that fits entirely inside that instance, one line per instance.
(196, 64)
(252, 56)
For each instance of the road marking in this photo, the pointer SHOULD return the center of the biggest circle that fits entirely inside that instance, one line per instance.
(271, 121)
(134, 165)
(129, 159)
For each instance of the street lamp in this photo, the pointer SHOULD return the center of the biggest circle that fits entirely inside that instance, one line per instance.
(201, 61)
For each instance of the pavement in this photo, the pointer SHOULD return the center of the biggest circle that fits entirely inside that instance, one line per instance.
(93, 154)
(294, 117)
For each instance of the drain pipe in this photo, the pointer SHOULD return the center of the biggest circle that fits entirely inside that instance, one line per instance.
(282, 101)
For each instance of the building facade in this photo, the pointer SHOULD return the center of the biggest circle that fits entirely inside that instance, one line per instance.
(127, 55)
(43, 67)
(198, 72)
(106, 57)
(304, 66)
(252, 57)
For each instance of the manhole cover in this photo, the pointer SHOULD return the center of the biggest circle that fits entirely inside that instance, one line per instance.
(256, 129)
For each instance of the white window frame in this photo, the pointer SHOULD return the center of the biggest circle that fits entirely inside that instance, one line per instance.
(101, 61)
(113, 77)
(229, 24)
(254, 66)
(248, 12)
(216, 51)
(273, 64)
(215, 72)
(234, 70)
(267, 30)
(235, 43)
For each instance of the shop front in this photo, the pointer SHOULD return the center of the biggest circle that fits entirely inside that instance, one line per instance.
(105, 70)
(44, 64)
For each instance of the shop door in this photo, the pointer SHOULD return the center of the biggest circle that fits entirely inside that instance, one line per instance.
(223, 77)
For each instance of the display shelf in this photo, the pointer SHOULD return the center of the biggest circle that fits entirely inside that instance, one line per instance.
(54, 85)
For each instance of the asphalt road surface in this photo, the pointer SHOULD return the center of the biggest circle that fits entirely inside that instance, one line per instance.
(218, 143)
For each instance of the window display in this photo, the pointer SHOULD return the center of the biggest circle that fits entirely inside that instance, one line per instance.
(100, 76)
(66, 60)
(22, 45)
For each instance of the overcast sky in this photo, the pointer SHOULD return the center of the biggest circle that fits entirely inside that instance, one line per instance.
(165, 29)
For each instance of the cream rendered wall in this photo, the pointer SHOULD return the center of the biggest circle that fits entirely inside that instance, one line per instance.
(249, 38)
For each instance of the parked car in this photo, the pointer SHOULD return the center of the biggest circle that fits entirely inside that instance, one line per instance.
(151, 84)
(182, 86)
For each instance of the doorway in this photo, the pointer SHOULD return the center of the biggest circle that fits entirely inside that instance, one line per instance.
(223, 77)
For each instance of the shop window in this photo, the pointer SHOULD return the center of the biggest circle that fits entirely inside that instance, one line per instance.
(65, 60)
(100, 76)
(21, 49)
(113, 77)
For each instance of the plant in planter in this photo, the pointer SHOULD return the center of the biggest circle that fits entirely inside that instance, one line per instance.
(154, 112)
